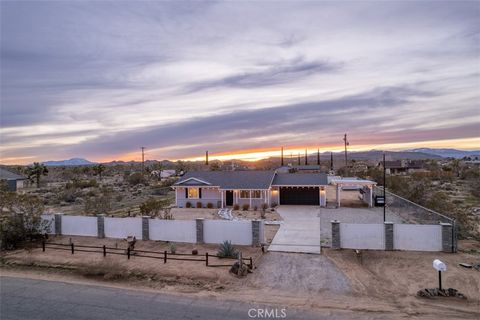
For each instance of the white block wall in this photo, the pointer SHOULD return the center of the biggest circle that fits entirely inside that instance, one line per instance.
(50, 218)
(173, 230)
(79, 226)
(362, 236)
(218, 231)
(415, 237)
(123, 227)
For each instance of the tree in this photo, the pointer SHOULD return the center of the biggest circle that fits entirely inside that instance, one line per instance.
(99, 169)
(37, 171)
(20, 219)
(215, 166)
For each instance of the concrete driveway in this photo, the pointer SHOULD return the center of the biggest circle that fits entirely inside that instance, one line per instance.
(300, 231)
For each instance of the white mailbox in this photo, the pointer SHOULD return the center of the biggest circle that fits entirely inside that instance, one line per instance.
(439, 265)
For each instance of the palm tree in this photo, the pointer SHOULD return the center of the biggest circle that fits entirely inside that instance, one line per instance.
(37, 171)
(99, 169)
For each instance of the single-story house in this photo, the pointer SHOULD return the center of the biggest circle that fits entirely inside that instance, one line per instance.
(14, 181)
(228, 188)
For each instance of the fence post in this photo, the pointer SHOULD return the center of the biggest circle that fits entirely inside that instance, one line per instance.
(58, 223)
(199, 222)
(104, 250)
(447, 239)
(251, 263)
(145, 228)
(255, 233)
(206, 259)
(336, 244)
(165, 256)
(101, 226)
(72, 247)
(43, 245)
(128, 253)
(389, 245)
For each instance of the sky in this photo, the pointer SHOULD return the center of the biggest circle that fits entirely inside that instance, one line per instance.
(100, 79)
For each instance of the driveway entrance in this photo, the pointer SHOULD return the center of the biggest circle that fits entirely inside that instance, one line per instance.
(300, 231)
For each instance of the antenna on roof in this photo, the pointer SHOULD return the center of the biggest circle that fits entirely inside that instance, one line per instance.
(206, 157)
(282, 156)
(318, 156)
(306, 157)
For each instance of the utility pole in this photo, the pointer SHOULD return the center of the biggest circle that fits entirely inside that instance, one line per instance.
(318, 156)
(331, 161)
(143, 159)
(282, 156)
(206, 158)
(384, 187)
(346, 144)
(306, 157)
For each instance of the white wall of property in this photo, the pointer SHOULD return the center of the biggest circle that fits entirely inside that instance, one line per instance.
(218, 231)
(79, 226)
(50, 218)
(416, 237)
(123, 227)
(173, 230)
(362, 236)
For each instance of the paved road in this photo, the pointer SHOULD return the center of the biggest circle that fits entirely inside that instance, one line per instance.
(49, 300)
(300, 231)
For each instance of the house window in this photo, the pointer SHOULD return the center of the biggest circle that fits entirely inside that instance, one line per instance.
(245, 194)
(193, 193)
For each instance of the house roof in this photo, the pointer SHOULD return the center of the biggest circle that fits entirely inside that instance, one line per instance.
(300, 179)
(228, 179)
(8, 175)
(353, 182)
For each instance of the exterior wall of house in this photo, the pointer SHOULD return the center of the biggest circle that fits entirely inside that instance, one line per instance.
(209, 195)
(275, 196)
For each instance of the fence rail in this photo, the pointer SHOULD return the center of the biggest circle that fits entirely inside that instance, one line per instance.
(161, 255)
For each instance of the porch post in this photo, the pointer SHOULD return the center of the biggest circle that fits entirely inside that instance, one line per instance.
(370, 200)
(250, 198)
(221, 194)
(338, 195)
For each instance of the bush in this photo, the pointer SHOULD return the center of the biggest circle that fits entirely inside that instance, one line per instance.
(274, 204)
(81, 184)
(173, 247)
(136, 178)
(188, 204)
(209, 205)
(245, 207)
(236, 207)
(227, 250)
(255, 208)
(199, 204)
(153, 207)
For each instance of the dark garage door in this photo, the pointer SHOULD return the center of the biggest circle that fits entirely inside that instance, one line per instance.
(300, 196)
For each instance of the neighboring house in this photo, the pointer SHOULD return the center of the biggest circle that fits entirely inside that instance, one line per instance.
(227, 188)
(399, 167)
(14, 181)
(162, 174)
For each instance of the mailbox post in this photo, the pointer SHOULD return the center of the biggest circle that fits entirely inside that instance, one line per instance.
(440, 267)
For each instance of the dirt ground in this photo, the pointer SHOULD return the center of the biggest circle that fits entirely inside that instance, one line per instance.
(379, 282)
(193, 213)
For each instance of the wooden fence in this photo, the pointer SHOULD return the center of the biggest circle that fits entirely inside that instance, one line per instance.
(161, 255)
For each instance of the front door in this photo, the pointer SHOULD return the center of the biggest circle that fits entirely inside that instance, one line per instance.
(229, 197)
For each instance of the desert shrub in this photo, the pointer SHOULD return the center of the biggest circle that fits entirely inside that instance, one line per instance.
(209, 205)
(136, 178)
(173, 247)
(274, 204)
(107, 269)
(156, 208)
(68, 195)
(199, 204)
(227, 250)
(236, 207)
(245, 207)
(264, 209)
(81, 184)
(98, 204)
(188, 204)
(160, 191)
(20, 219)
(118, 198)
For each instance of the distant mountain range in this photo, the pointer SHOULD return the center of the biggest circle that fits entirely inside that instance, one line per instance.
(70, 162)
(414, 154)
(448, 153)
